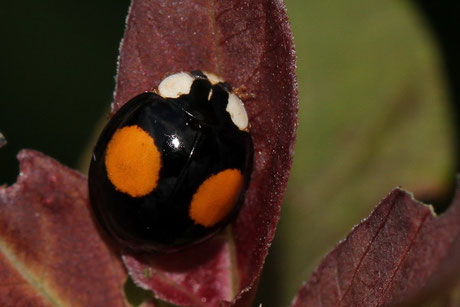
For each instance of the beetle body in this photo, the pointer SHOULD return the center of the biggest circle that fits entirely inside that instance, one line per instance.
(170, 169)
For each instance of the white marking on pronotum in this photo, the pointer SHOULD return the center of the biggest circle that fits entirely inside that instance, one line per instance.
(175, 85)
(213, 78)
(237, 111)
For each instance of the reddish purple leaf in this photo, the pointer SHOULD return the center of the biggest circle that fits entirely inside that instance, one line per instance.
(50, 251)
(400, 252)
(187, 276)
(249, 44)
(244, 298)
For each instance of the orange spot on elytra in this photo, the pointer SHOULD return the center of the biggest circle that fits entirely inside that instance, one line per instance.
(133, 161)
(216, 197)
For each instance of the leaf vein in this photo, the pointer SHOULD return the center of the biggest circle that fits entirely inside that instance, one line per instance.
(28, 276)
(406, 252)
(368, 247)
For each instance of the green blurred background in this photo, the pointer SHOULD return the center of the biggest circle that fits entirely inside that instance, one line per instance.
(378, 87)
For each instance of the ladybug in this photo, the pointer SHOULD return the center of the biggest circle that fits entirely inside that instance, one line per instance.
(170, 168)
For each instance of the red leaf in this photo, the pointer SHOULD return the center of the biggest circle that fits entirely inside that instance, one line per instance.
(196, 276)
(50, 251)
(397, 254)
(249, 44)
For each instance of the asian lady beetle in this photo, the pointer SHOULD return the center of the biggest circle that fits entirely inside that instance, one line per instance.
(171, 166)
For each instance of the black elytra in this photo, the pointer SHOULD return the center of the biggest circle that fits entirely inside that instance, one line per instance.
(196, 138)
